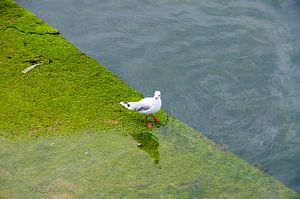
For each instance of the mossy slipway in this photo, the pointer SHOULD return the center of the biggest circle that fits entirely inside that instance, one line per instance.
(65, 135)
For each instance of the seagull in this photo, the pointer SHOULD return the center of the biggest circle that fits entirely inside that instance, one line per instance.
(147, 106)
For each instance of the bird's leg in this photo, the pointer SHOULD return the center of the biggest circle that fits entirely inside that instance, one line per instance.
(149, 124)
(155, 119)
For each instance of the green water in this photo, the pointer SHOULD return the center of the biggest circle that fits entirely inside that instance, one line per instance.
(228, 68)
(109, 165)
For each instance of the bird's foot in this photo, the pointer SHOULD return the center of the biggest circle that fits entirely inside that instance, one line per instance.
(149, 124)
(156, 120)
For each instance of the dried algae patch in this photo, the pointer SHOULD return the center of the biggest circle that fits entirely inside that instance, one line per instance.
(63, 133)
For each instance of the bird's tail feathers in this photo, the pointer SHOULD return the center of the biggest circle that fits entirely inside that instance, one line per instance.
(126, 105)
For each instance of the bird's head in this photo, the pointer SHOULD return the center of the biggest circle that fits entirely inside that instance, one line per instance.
(157, 95)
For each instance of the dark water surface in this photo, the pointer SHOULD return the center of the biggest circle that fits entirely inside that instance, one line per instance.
(230, 69)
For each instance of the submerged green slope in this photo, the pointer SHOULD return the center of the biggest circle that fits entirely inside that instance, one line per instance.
(64, 134)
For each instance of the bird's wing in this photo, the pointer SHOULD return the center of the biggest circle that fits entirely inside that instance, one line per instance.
(144, 108)
(144, 104)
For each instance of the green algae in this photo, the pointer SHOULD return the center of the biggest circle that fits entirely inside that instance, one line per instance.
(69, 92)
(64, 134)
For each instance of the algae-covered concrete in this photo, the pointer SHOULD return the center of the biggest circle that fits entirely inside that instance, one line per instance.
(64, 134)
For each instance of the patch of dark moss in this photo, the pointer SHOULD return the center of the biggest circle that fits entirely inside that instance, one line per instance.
(149, 143)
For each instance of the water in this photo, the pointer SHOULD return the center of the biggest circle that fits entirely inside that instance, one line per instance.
(230, 69)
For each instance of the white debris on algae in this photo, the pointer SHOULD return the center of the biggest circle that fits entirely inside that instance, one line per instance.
(30, 68)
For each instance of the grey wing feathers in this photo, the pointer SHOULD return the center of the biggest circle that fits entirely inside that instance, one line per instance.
(144, 108)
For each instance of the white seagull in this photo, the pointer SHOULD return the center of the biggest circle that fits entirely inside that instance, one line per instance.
(147, 106)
